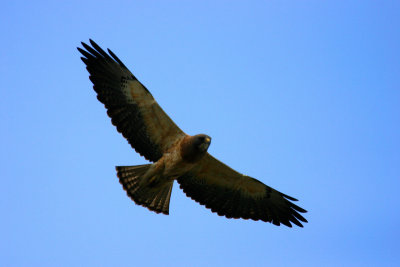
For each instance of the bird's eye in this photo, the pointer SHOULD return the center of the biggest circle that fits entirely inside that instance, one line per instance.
(201, 138)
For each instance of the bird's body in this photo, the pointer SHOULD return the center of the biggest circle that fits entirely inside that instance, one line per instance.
(176, 155)
(181, 157)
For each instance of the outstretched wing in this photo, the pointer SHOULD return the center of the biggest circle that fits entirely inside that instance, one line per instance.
(130, 105)
(234, 195)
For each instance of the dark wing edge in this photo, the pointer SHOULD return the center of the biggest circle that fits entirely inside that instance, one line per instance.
(110, 77)
(232, 201)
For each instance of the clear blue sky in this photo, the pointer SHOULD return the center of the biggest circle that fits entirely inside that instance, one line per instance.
(302, 95)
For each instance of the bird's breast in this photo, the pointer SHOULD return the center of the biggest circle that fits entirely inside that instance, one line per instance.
(188, 151)
(174, 165)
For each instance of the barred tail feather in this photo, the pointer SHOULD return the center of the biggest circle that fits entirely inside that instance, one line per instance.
(154, 197)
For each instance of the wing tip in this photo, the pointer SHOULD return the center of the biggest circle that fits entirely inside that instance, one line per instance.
(294, 217)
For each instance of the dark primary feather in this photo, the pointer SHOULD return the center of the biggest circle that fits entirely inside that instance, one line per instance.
(234, 195)
(109, 76)
(272, 207)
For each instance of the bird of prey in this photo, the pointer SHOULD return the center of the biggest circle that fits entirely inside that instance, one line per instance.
(176, 155)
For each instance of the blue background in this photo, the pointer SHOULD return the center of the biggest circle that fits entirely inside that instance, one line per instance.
(302, 95)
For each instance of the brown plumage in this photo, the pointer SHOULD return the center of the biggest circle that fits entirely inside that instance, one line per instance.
(176, 155)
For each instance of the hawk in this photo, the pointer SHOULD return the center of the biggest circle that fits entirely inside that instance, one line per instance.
(176, 155)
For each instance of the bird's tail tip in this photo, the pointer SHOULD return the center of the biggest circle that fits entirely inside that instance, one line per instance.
(154, 197)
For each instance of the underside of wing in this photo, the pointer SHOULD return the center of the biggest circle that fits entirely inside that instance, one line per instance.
(130, 105)
(233, 195)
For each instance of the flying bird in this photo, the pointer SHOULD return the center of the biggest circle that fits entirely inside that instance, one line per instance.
(176, 155)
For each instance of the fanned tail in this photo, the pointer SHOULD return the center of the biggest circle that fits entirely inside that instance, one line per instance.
(154, 196)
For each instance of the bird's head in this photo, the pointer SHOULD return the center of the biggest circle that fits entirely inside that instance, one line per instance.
(202, 142)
